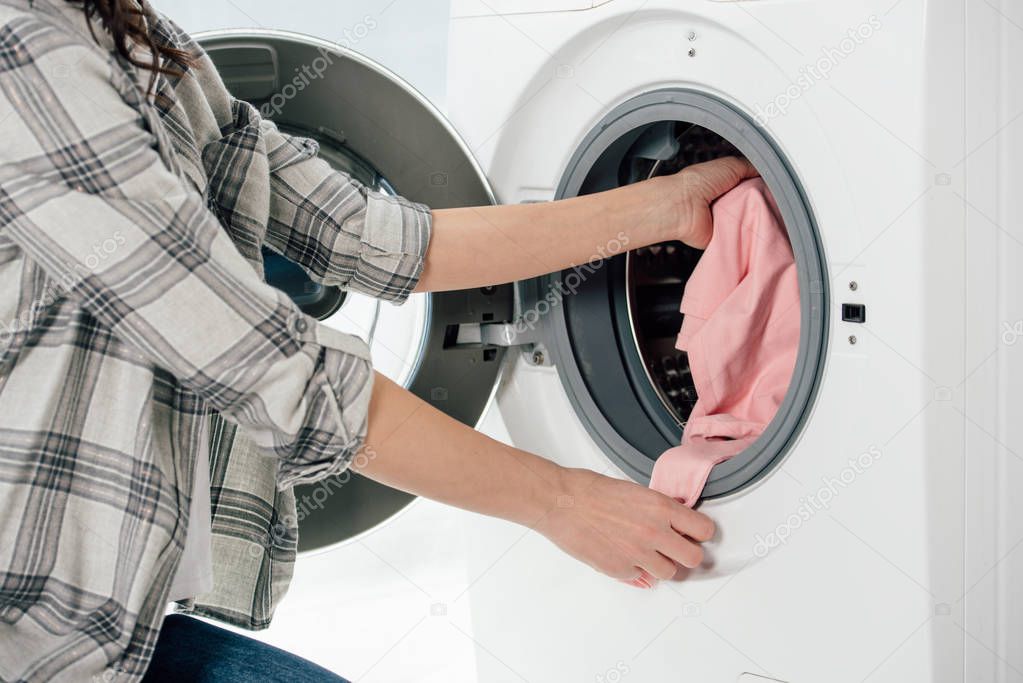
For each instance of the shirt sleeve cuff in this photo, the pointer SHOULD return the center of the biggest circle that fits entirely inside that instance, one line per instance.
(348, 374)
(393, 250)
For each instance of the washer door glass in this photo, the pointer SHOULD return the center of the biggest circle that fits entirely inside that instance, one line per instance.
(375, 127)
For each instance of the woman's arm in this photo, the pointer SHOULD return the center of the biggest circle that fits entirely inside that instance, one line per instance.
(617, 527)
(472, 247)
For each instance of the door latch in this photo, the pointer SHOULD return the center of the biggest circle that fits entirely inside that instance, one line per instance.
(506, 335)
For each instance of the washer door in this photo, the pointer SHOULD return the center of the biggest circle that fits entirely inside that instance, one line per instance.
(613, 338)
(377, 128)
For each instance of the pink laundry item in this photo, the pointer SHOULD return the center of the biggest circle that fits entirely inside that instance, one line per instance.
(741, 332)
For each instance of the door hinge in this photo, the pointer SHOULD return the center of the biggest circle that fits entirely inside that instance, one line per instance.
(506, 335)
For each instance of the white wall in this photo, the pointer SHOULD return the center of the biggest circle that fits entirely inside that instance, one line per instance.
(407, 36)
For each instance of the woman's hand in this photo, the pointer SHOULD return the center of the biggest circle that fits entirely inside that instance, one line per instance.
(699, 185)
(623, 529)
(620, 528)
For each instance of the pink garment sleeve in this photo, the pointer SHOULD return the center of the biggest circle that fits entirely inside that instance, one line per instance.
(741, 333)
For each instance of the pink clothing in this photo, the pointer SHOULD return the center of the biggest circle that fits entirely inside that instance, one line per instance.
(741, 332)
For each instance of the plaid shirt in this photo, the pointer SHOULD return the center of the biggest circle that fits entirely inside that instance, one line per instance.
(138, 331)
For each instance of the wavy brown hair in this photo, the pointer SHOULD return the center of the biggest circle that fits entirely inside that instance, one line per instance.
(126, 22)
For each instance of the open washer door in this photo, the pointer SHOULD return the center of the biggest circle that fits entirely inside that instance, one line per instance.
(380, 130)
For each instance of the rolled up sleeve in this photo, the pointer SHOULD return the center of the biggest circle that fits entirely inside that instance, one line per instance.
(341, 232)
(119, 233)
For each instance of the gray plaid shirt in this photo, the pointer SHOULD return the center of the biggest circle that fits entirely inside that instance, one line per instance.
(138, 331)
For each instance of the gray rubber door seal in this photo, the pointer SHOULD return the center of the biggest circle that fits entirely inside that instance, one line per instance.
(690, 106)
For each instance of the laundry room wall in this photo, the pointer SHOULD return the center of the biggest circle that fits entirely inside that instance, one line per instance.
(409, 37)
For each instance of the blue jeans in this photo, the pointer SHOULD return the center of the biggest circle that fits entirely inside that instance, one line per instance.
(192, 650)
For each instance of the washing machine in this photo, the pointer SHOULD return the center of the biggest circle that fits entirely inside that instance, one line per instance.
(872, 533)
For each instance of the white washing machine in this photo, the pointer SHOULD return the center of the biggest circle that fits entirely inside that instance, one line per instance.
(872, 533)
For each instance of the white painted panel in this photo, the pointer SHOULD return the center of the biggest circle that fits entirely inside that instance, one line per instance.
(409, 38)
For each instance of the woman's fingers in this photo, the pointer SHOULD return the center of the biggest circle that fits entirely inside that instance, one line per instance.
(699, 185)
(661, 567)
(743, 168)
(625, 530)
(680, 542)
(644, 580)
(693, 524)
(727, 172)
(711, 179)
(681, 549)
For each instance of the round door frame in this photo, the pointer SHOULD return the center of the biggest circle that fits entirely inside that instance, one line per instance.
(693, 106)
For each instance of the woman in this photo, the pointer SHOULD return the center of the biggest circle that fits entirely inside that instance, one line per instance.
(135, 197)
